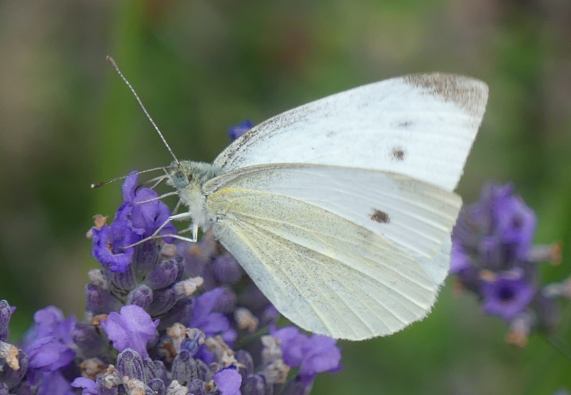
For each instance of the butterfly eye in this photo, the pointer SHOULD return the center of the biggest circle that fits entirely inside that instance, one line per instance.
(180, 179)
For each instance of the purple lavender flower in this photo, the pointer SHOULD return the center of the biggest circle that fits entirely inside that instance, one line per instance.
(207, 314)
(226, 269)
(237, 130)
(228, 381)
(311, 354)
(132, 328)
(495, 233)
(87, 386)
(49, 343)
(139, 216)
(109, 244)
(493, 257)
(52, 383)
(507, 295)
(144, 218)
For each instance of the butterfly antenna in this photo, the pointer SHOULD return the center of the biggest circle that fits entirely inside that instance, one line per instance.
(102, 183)
(112, 61)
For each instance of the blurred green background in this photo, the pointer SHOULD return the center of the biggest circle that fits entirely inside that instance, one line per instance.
(202, 66)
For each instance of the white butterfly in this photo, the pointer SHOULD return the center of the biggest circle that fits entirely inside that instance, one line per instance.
(341, 210)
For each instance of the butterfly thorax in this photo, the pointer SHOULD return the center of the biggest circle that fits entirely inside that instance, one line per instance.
(187, 178)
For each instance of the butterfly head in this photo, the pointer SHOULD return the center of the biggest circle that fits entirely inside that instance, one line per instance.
(180, 175)
(186, 173)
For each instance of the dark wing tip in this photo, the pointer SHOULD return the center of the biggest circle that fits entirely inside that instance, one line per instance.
(468, 93)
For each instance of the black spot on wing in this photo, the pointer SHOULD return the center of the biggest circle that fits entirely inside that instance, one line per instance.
(406, 124)
(380, 216)
(398, 153)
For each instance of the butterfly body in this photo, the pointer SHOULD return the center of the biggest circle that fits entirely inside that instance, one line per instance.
(188, 178)
(341, 210)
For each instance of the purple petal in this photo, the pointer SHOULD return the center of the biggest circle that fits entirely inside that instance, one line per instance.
(292, 343)
(321, 355)
(507, 296)
(228, 381)
(130, 186)
(132, 328)
(88, 386)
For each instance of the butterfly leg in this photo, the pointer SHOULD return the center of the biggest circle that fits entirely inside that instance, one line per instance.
(177, 217)
(177, 207)
(157, 198)
(179, 237)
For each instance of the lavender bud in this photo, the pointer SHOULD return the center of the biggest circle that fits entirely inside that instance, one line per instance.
(97, 277)
(226, 270)
(253, 298)
(130, 364)
(196, 387)
(155, 370)
(245, 363)
(180, 312)
(99, 300)
(226, 301)
(157, 386)
(204, 372)
(89, 341)
(184, 368)
(147, 256)
(163, 301)
(269, 316)
(164, 275)
(142, 296)
(123, 281)
(297, 387)
(5, 314)
(254, 384)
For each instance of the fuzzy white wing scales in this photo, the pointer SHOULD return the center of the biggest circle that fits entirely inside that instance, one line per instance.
(308, 238)
(421, 126)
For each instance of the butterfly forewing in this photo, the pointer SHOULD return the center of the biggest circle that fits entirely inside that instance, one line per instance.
(421, 126)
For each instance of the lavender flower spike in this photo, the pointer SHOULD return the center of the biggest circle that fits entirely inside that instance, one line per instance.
(174, 311)
(493, 257)
(6, 312)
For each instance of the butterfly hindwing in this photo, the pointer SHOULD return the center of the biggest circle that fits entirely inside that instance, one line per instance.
(334, 248)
